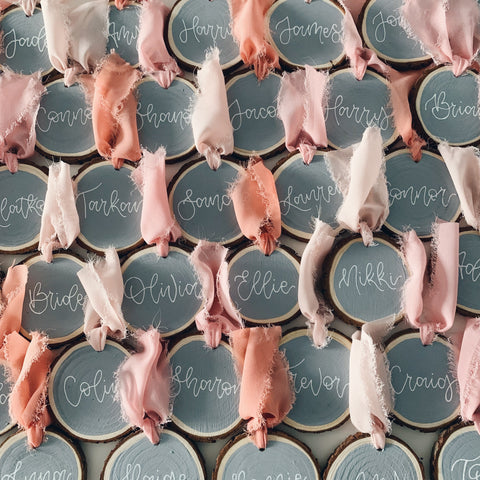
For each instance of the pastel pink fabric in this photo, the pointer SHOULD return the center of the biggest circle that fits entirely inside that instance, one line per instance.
(249, 29)
(430, 301)
(20, 100)
(219, 314)
(301, 106)
(266, 395)
(448, 30)
(60, 223)
(144, 384)
(310, 300)
(121, 4)
(256, 205)
(27, 5)
(103, 283)
(359, 173)
(152, 52)
(464, 167)
(212, 130)
(158, 225)
(370, 392)
(354, 7)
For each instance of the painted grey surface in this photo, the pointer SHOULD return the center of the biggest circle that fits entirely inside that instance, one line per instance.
(4, 395)
(123, 32)
(419, 192)
(21, 206)
(469, 271)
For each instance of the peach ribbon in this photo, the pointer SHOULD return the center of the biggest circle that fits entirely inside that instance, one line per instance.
(28, 6)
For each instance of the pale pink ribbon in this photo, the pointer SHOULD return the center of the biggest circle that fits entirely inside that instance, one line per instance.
(20, 100)
(60, 223)
(212, 130)
(359, 173)
(218, 314)
(370, 392)
(144, 384)
(310, 301)
(301, 105)
(158, 225)
(103, 284)
(152, 52)
(430, 303)
(28, 6)
(464, 167)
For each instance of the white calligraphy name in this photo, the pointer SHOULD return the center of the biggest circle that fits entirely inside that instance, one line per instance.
(3, 396)
(237, 115)
(150, 115)
(11, 42)
(471, 270)
(242, 475)
(381, 23)
(302, 201)
(286, 31)
(376, 476)
(255, 283)
(123, 34)
(21, 206)
(470, 468)
(134, 472)
(98, 389)
(35, 475)
(215, 32)
(69, 118)
(443, 109)
(188, 207)
(39, 300)
(423, 195)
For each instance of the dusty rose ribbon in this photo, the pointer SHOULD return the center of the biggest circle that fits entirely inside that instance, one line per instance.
(266, 395)
(256, 205)
(359, 173)
(144, 384)
(152, 52)
(370, 392)
(20, 99)
(27, 5)
(249, 29)
(430, 303)
(212, 130)
(60, 223)
(464, 167)
(103, 283)
(219, 314)
(301, 104)
(158, 225)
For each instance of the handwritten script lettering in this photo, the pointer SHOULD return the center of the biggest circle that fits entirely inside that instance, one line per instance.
(381, 23)
(255, 283)
(67, 117)
(36, 475)
(469, 468)
(467, 269)
(237, 115)
(286, 31)
(195, 31)
(242, 475)
(24, 207)
(442, 108)
(378, 476)
(123, 35)
(40, 300)
(309, 200)
(134, 472)
(98, 389)
(11, 41)
(3, 396)
(189, 206)
(423, 195)
(148, 113)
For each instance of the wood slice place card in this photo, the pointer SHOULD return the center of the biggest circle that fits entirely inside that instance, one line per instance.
(320, 380)
(468, 300)
(196, 26)
(382, 31)
(446, 106)
(357, 459)
(83, 395)
(284, 458)
(425, 389)
(54, 298)
(123, 30)
(24, 42)
(56, 458)
(22, 196)
(253, 113)
(355, 105)
(307, 33)
(366, 283)
(136, 458)
(264, 288)
(64, 123)
(419, 193)
(199, 198)
(109, 206)
(162, 292)
(5, 387)
(163, 117)
(205, 388)
(306, 192)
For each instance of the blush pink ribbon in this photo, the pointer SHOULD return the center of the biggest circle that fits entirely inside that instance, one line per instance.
(212, 130)
(266, 394)
(430, 302)
(218, 314)
(158, 225)
(28, 6)
(20, 98)
(256, 205)
(60, 222)
(144, 384)
(103, 283)
(301, 105)
(152, 52)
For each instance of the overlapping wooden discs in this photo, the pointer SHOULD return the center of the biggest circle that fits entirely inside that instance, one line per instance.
(468, 300)
(5, 420)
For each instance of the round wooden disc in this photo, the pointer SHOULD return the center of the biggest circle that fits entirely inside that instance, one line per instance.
(206, 389)
(355, 105)
(468, 300)
(264, 288)
(22, 196)
(5, 420)
(426, 396)
(320, 380)
(356, 458)
(173, 458)
(285, 457)
(163, 292)
(82, 392)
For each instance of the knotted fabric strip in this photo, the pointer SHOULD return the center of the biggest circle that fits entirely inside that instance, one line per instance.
(28, 6)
